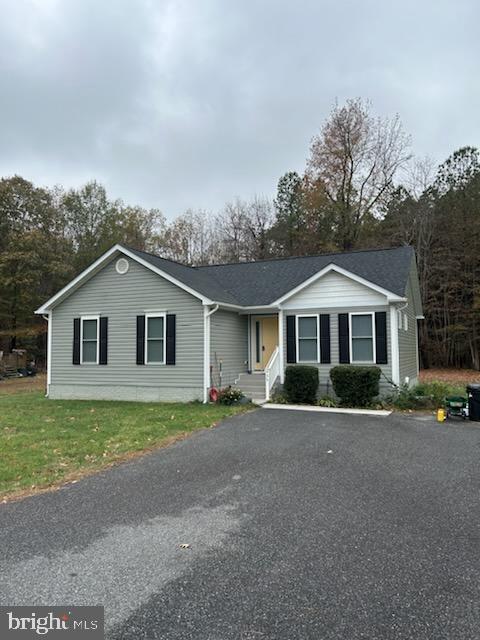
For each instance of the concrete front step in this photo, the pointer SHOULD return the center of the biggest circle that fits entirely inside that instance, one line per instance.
(252, 376)
(251, 380)
(252, 385)
(258, 393)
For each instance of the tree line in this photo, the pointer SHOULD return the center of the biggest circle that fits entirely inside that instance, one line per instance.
(360, 188)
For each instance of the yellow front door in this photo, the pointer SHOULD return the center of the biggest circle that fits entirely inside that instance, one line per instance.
(267, 336)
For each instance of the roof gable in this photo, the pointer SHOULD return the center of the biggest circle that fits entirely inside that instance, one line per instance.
(105, 259)
(265, 282)
(333, 283)
(262, 283)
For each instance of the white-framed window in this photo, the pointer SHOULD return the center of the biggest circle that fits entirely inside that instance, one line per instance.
(155, 338)
(89, 339)
(308, 344)
(405, 322)
(362, 337)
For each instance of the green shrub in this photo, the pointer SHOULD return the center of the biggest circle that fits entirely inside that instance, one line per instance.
(229, 396)
(435, 391)
(427, 395)
(279, 398)
(355, 386)
(403, 398)
(327, 401)
(301, 384)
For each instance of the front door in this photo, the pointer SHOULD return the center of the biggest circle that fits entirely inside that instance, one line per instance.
(265, 339)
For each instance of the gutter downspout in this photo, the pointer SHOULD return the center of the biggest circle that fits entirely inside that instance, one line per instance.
(49, 351)
(206, 349)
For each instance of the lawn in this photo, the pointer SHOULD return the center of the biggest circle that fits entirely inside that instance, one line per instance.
(457, 378)
(46, 442)
(17, 385)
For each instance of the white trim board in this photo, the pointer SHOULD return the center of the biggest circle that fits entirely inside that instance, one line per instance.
(206, 349)
(352, 338)
(162, 315)
(281, 345)
(394, 349)
(298, 338)
(48, 318)
(97, 354)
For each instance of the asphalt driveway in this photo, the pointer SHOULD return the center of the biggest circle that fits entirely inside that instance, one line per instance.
(300, 525)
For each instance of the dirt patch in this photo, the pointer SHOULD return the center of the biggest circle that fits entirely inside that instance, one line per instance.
(12, 386)
(452, 376)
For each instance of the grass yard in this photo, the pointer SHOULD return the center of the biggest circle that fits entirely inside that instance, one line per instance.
(44, 442)
(17, 385)
(457, 378)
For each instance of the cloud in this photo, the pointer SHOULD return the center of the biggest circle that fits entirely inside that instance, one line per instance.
(182, 103)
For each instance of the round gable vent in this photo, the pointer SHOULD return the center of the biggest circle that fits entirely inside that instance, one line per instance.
(122, 265)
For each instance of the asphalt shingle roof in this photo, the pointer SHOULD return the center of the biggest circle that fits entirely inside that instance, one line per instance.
(262, 282)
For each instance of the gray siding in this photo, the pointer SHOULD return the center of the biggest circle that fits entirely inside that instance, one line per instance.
(228, 344)
(121, 298)
(407, 340)
(324, 369)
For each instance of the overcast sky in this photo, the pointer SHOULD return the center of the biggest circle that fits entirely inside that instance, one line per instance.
(189, 103)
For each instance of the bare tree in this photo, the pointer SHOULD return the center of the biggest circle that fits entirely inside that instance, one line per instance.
(419, 175)
(231, 223)
(258, 222)
(188, 238)
(355, 159)
(242, 229)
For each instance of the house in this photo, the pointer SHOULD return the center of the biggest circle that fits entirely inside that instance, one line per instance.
(135, 326)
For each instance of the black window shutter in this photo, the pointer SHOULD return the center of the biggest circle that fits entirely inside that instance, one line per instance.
(343, 339)
(171, 339)
(325, 338)
(103, 341)
(291, 340)
(381, 337)
(140, 339)
(76, 341)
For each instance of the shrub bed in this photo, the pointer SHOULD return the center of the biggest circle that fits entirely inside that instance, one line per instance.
(229, 396)
(426, 395)
(301, 384)
(355, 386)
